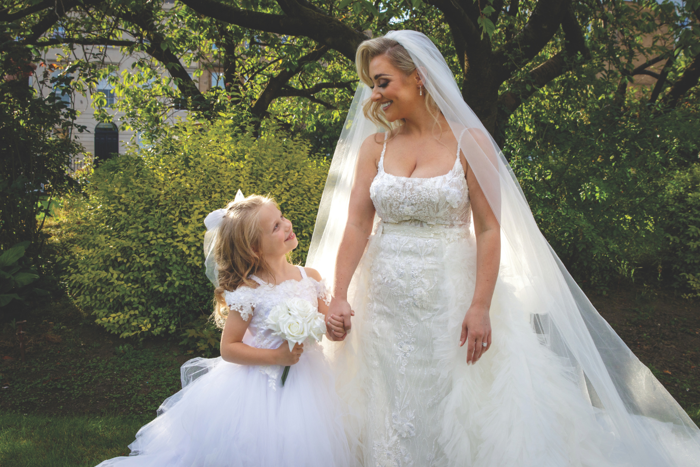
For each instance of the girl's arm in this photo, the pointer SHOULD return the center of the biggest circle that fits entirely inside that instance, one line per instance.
(235, 351)
(332, 324)
(357, 230)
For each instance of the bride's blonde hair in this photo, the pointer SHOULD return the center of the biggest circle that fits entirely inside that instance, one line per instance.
(237, 250)
(399, 58)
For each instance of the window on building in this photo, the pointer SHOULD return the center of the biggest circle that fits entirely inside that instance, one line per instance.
(217, 80)
(106, 141)
(59, 84)
(107, 89)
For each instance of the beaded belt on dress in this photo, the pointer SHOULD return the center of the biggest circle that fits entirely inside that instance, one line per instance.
(423, 230)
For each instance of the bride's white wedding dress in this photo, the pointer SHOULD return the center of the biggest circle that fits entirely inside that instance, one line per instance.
(416, 401)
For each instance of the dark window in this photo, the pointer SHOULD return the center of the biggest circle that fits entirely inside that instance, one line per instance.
(106, 141)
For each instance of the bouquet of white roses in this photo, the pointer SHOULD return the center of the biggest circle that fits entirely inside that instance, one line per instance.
(296, 320)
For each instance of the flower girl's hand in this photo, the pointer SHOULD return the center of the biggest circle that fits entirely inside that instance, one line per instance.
(285, 357)
(476, 329)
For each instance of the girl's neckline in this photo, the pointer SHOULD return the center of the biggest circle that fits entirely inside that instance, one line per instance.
(301, 269)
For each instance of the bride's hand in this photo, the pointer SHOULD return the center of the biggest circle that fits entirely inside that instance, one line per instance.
(476, 329)
(339, 310)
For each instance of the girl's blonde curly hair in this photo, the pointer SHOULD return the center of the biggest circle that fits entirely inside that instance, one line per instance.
(237, 250)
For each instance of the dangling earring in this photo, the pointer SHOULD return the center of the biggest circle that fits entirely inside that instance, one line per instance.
(420, 90)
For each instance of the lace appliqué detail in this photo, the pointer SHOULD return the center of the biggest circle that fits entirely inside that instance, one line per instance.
(437, 200)
(322, 291)
(388, 451)
(241, 300)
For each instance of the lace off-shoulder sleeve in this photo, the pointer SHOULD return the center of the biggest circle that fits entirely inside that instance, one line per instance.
(241, 300)
(322, 291)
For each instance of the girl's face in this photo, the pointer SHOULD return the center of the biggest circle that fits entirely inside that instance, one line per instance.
(276, 234)
(397, 93)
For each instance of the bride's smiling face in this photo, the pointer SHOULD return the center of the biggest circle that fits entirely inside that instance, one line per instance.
(397, 93)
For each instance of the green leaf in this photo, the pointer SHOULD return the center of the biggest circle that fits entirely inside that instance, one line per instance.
(7, 298)
(11, 256)
(343, 4)
(371, 8)
(25, 278)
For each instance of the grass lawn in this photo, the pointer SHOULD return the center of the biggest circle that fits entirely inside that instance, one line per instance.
(82, 393)
(59, 441)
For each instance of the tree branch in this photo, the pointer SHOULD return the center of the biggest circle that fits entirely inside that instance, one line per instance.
(8, 17)
(552, 68)
(289, 91)
(276, 83)
(539, 30)
(144, 19)
(661, 82)
(466, 36)
(649, 63)
(300, 21)
(49, 20)
(649, 73)
(85, 41)
(688, 80)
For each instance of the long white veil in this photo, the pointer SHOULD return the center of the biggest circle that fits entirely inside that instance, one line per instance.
(635, 406)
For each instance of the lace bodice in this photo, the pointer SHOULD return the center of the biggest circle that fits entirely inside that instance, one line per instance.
(256, 304)
(440, 200)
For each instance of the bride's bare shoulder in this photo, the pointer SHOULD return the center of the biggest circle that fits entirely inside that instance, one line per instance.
(372, 146)
(373, 142)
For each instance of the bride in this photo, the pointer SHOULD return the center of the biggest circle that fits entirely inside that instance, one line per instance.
(471, 345)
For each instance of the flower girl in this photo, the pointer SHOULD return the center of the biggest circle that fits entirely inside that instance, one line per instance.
(234, 410)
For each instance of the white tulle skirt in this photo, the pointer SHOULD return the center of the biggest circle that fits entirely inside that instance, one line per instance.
(413, 399)
(228, 415)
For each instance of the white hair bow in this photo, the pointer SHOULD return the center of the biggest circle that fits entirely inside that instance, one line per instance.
(212, 223)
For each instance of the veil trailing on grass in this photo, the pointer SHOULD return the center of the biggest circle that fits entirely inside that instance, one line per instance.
(635, 407)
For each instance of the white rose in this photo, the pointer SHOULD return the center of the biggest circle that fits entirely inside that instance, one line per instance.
(301, 308)
(318, 328)
(295, 331)
(277, 317)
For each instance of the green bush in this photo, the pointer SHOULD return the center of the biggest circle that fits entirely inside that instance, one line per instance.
(16, 275)
(596, 176)
(136, 260)
(682, 226)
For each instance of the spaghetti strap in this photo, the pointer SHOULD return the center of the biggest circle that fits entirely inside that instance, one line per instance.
(257, 279)
(302, 271)
(381, 158)
(459, 142)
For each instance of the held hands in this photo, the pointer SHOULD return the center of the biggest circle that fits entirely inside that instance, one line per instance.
(285, 357)
(338, 320)
(476, 329)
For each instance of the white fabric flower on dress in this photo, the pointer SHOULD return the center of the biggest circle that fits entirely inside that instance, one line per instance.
(453, 196)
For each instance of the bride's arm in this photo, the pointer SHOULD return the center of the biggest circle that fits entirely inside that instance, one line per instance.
(357, 230)
(476, 327)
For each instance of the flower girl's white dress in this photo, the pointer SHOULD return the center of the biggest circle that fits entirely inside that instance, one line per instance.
(230, 415)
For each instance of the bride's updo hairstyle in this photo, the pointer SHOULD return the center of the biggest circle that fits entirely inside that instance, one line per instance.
(237, 249)
(399, 58)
